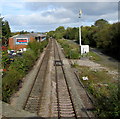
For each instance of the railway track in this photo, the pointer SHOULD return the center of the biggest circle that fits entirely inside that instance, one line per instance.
(61, 99)
(64, 104)
(34, 99)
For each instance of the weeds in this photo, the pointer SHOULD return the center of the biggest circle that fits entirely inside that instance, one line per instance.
(71, 50)
(104, 90)
(93, 56)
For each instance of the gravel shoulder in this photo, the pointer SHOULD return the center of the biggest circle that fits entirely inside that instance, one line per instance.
(95, 66)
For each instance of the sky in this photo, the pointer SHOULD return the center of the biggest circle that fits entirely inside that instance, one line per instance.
(38, 16)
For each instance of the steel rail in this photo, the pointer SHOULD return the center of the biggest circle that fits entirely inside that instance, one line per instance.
(43, 59)
(66, 84)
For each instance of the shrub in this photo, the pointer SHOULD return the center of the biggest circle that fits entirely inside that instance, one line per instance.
(10, 84)
(105, 91)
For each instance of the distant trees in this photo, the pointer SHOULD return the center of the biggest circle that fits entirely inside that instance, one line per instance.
(71, 33)
(24, 32)
(100, 35)
(100, 23)
(59, 32)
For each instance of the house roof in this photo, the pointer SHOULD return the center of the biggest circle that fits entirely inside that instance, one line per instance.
(28, 35)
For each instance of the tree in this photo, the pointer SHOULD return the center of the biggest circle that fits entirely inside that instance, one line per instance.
(60, 29)
(6, 32)
(24, 32)
(71, 33)
(100, 23)
(67, 33)
(59, 32)
(51, 34)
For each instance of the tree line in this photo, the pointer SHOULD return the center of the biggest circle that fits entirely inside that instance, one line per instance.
(101, 35)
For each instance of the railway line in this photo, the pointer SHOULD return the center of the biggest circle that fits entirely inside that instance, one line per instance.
(65, 107)
(33, 101)
(64, 102)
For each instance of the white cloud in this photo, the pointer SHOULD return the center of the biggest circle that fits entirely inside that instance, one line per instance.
(71, 0)
(37, 19)
(32, 15)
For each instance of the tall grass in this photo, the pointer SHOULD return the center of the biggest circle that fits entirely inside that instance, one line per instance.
(71, 50)
(105, 91)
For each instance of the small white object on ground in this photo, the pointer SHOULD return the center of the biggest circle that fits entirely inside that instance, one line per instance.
(85, 78)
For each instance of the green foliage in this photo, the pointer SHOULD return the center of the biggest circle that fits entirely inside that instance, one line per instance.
(6, 32)
(51, 34)
(10, 84)
(71, 33)
(37, 47)
(101, 23)
(24, 32)
(93, 56)
(71, 50)
(104, 90)
(5, 60)
(101, 35)
(59, 32)
(19, 68)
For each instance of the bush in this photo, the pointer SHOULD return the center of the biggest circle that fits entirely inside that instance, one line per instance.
(108, 106)
(10, 84)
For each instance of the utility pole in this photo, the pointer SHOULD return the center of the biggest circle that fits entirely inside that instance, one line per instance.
(80, 14)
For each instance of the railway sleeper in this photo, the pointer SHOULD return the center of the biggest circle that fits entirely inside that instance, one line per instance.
(65, 101)
(65, 104)
(66, 111)
(67, 115)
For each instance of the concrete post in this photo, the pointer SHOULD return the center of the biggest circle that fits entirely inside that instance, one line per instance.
(80, 36)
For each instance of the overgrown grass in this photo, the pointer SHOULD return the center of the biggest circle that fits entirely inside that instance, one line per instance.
(93, 56)
(19, 68)
(104, 90)
(71, 50)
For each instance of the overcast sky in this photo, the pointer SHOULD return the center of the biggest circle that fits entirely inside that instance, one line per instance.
(45, 16)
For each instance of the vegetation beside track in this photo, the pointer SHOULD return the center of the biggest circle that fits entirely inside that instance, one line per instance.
(19, 68)
(71, 50)
(101, 35)
(104, 90)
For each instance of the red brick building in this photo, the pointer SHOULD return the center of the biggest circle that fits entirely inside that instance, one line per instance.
(21, 41)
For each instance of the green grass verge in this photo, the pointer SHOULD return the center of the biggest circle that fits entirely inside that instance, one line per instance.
(93, 56)
(72, 51)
